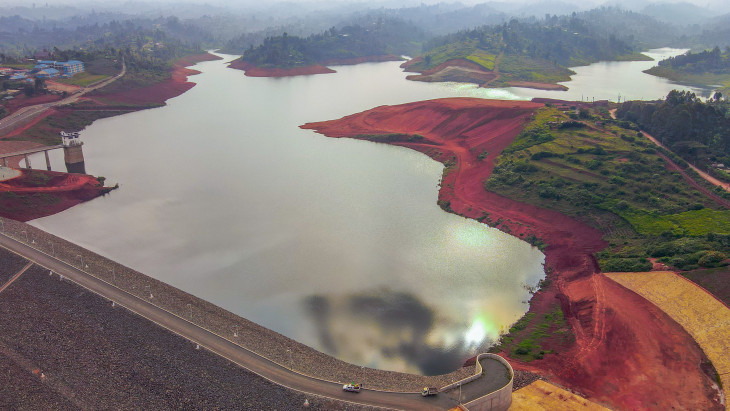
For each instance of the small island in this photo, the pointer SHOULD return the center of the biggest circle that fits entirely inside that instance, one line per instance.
(285, 55)
(709, 68)
(518, 54)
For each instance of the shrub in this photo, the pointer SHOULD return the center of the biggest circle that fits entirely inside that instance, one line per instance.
(543, 154)
(626, 264)
(711, 259)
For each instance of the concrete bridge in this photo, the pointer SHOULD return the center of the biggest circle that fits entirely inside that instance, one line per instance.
(25, 153)
(72, 154)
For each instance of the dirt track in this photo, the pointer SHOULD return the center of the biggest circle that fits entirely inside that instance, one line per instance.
(626, 352)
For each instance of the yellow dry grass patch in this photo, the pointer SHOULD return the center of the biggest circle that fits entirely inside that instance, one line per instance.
(543, 396)
(704, 317)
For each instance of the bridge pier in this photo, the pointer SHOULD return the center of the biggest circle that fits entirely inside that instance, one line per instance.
(5, 161)
(48, 161)
(27, 161)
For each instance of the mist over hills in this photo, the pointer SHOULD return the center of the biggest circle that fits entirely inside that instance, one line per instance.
(238, 25)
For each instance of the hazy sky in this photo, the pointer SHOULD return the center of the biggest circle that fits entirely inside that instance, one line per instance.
(717, 5)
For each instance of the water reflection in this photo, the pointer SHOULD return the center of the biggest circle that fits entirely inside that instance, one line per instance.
(390, 326)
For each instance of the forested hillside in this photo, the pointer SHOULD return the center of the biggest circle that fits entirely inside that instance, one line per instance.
(519, 53)
(382, 37)
(22, 37)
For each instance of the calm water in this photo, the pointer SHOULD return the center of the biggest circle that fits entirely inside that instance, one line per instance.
(336, 243)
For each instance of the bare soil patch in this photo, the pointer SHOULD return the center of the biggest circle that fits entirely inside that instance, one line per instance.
(69, 88)
(536, 85)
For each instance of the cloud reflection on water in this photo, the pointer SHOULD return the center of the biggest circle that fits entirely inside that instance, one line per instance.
(383, 326)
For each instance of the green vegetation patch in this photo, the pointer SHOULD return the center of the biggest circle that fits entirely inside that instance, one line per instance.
(527, 338)
(524, 68)
(483, 58)
(82, 79)
(601, 173)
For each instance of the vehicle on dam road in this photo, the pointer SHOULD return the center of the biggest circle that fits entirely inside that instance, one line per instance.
(428, 391)
(352, 387)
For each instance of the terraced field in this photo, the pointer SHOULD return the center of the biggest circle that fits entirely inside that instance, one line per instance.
(543, 396)
(704, 317)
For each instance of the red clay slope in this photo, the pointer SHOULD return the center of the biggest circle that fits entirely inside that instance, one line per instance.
(251, 70)
(626, 352)
(39, 193)
(158, 93)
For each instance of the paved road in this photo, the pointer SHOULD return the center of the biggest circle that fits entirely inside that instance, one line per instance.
(224, 347)
(24, 114)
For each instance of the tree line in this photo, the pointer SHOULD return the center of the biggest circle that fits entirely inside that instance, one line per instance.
(382, 36)
(696, 130)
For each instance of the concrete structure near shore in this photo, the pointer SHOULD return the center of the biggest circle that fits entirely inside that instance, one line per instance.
(73, 155)
(25, 153)
(492, 375)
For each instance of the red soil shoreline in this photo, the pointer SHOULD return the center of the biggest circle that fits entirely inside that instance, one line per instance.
(626, 352)
(23, 200)
(475, 74)
(158, 93)
(252, 70)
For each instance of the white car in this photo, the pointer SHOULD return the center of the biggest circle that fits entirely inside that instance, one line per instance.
(352, 387)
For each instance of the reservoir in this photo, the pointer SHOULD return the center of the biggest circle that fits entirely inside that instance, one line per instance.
(336, 243)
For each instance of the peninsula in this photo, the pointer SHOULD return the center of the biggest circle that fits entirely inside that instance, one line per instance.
(579, 315)
(285, 55)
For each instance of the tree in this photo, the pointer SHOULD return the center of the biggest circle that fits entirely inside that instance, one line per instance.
(39, 85)
(29, 90)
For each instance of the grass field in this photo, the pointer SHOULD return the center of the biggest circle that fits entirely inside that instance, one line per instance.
(466, 50)
(528, 69)
(82, 79)
(704, 317)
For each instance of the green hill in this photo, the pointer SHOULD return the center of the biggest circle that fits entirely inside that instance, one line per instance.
(523, 51)
(709, 68)
(381, 37)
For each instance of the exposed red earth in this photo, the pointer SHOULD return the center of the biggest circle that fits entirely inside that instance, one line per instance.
(22, 100)
(469, 72)
(536, 85)
(39, 193)
(158, 93)
(463, 70)
(626, 352)
(252, 70)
